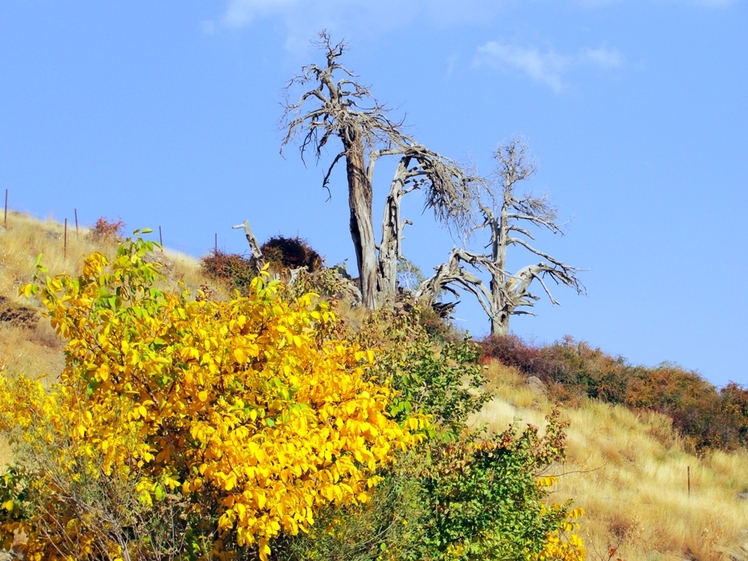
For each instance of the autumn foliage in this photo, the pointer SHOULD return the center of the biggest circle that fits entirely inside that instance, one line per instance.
(190, 426)
(236, 417)
(706, 417)
(107, 230)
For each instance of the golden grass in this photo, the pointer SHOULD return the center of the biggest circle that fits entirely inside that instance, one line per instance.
(629, 473)
(26, 237)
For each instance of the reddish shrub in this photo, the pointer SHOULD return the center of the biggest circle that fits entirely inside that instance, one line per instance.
(232, 269)
(108, 230)
(513, 351)
(591, 371)
(735, 408)
(705, 417)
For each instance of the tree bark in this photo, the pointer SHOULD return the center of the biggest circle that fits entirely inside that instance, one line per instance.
(392, 225)
(254, 246)
(362, 228)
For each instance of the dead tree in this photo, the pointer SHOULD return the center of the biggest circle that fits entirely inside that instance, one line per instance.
(336, 105)
(507, 217)
(254, 246)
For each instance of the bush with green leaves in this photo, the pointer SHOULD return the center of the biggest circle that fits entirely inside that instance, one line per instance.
(462, 495)
(485, 497)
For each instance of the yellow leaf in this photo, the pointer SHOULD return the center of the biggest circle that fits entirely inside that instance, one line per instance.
(240, 355)
(260, 499)
(230, 481)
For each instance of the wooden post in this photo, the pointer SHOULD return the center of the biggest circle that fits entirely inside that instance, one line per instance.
(160, 238)
(5, 217)
(689, 482)
(215, 245)
(75, 210)
(65, 241)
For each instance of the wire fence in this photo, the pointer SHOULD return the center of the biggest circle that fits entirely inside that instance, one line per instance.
(177, 246)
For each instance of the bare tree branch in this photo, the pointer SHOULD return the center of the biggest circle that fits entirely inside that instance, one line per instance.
(504, 214)
(254, 246)
(332, 107)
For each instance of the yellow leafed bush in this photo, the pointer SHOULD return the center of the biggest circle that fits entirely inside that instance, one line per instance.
(238, 412)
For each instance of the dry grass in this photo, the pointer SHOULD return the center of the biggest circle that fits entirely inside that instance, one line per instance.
(629, 473)
(35, 350)
(27, 237)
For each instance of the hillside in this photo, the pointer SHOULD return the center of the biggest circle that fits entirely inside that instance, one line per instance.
(27, 343)
(630, 474)
(628, 471)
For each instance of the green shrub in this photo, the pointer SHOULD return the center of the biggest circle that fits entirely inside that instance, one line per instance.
(473, 498)
(485, 499)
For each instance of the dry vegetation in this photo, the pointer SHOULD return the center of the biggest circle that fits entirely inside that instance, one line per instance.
(27, 343)
(630, 474)
(628, 471)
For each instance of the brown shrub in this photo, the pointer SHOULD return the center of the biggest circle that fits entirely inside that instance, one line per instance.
(107, 230)
(291, 253)
(233, 270)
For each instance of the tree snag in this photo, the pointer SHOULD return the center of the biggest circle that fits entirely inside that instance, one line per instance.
(506, 216)
(254, 246)
(341, 107)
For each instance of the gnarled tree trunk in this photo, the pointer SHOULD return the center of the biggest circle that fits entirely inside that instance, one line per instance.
(361, 224)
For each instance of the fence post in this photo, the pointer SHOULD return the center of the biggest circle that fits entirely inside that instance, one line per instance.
(160, 238)
(75, 210)
(215, 245)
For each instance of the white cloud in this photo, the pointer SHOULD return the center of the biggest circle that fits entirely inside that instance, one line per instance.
(359, 18)
(547, 67)
(714, 3)
(240, 13)
(543, 67)
(208, 27)
(705, 3)
(606, 58)
(451, 64)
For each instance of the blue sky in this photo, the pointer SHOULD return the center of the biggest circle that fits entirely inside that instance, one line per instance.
(166, 114)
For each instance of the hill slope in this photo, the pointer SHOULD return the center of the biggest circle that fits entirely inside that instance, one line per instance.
(629, 472)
